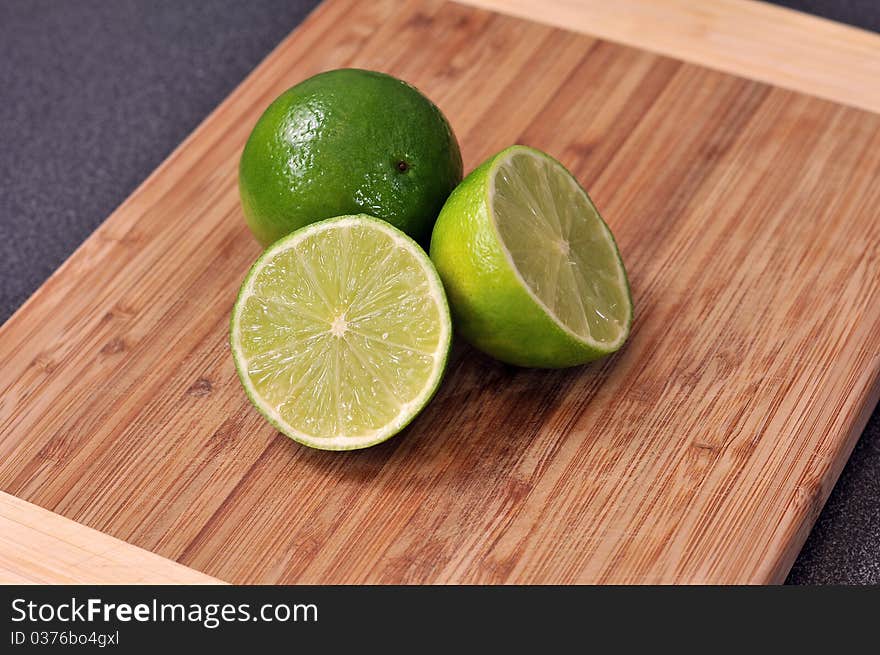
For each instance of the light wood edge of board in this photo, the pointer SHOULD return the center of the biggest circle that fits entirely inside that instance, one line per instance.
(40, 547)
(756, 40)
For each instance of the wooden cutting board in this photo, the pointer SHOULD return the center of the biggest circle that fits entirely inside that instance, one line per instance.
(747, 216)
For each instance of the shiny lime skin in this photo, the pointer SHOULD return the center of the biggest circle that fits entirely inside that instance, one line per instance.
(348, 141)
(491, 307)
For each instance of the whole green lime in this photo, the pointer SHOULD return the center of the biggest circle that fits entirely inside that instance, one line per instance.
(348, 141)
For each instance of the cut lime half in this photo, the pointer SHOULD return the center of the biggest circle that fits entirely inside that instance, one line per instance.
(340, 333)
(561, 248)
(533, 274)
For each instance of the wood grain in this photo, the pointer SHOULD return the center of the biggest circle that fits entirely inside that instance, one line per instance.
(39, 547)
(702, 452)
(764, 42)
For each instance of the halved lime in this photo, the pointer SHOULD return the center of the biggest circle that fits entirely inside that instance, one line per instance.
(532, 271)
(340, 333)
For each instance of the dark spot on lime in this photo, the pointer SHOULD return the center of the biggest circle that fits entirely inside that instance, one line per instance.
(402, 166)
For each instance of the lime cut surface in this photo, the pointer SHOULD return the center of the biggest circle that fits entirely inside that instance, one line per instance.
(340, 333)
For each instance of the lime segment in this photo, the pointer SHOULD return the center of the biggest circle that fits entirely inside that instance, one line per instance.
(340, 333)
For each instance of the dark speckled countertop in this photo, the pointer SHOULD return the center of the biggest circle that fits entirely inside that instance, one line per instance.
(95, 94)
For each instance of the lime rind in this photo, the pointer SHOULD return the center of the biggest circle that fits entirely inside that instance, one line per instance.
(407, 410)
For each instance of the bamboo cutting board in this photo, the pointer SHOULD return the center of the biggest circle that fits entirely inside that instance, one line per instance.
(747, 216)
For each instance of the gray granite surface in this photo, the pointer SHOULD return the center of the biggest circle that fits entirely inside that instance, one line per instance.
(94, 94)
